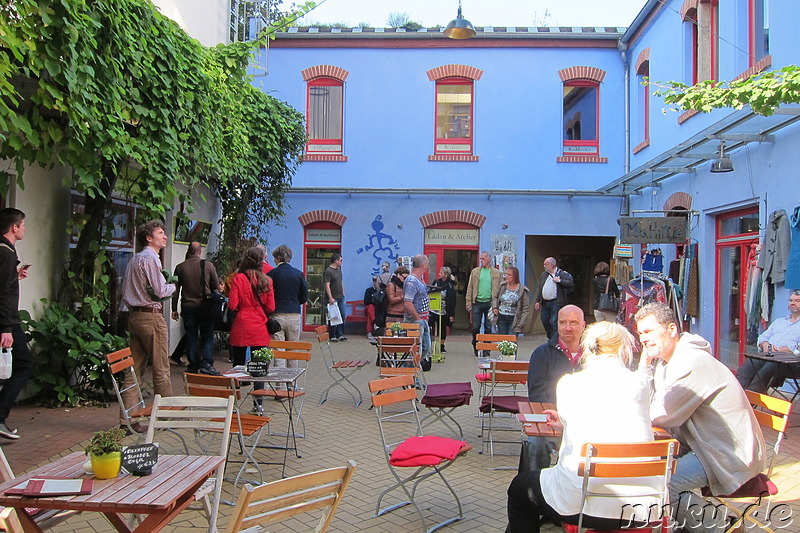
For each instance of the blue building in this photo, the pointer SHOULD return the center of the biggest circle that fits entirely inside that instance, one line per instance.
(533, 142)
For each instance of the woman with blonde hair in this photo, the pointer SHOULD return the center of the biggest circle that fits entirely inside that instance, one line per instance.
(603, 402)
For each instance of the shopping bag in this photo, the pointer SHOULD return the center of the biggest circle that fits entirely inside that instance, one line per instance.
(334, 316)
(5, 363)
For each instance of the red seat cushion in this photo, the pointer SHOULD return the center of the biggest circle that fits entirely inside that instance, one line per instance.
(504, 404)
(758, 485)
(425, 451)
(483, 377)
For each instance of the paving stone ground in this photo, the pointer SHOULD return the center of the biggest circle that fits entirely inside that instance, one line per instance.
(338, 431)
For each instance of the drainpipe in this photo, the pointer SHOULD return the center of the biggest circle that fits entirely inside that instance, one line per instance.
(623, 51)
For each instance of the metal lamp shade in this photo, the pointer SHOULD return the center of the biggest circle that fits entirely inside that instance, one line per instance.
(722, 164)
(460, 28)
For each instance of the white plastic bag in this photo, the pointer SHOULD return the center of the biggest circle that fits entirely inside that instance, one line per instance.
(5, 363)
(334, 316)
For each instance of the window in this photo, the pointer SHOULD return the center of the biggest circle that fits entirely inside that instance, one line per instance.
(759, 29)
(581, 105)
(324, 119)
(454, 116)
(702, 40)
(643, 103)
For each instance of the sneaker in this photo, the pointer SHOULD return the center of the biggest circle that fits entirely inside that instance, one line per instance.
(334, 339)
(370, 337)
(7, 432)
(342, 339)
(443, 349)
(209, 371)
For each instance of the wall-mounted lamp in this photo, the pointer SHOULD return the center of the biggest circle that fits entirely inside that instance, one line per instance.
(723, 162)
(459, 27)
(505, 226)
(399, 226)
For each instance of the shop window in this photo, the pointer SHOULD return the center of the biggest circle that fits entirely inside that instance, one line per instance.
(454, 116)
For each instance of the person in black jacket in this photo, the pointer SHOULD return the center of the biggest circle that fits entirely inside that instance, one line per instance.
(291, 292)
(444, 284)
(603, 279)
(552, 295)
(549, 363)
(12, 229)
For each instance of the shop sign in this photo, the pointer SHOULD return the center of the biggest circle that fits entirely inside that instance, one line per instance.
(653, 230)
(323, 235)
(461, 237)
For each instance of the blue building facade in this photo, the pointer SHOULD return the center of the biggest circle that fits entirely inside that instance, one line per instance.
(533, 142)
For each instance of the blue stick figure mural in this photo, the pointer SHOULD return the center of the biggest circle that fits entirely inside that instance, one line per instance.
(381, 243)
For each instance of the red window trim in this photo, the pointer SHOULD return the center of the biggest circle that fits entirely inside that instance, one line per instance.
(324, 81)
(595, 143)
(468, 141)
(713, 34)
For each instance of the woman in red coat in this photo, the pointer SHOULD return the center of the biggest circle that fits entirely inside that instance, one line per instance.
(252, 297)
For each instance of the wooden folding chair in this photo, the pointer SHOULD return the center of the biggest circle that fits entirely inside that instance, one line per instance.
(200, 415)
(44, 518)
(603, 462)
(282, 499)
(400, 356)
(300, 353)
(339, 370)
(487, 342)
(244, 426)
(122, 361)
(424, 456)
(412, 329)
(773, 415)
(506, 379)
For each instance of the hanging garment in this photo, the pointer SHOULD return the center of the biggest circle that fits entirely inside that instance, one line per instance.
(635, 295)
(793, 264)
(653, 262)
(693, 289)
(775, 252)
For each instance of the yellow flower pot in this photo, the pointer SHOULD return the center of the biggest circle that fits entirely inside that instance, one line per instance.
(106, 466)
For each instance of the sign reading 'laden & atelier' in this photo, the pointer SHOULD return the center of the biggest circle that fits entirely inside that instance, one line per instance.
(652, 230)
(446, 236)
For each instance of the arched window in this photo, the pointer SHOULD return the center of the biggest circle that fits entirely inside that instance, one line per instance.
(325, 116)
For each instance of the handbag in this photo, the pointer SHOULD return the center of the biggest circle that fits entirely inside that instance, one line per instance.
(273, 326)
(608, 302)
(214, 304)
(5, 363)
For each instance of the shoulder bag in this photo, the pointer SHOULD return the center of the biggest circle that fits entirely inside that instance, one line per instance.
(214, 304)
(608, 302)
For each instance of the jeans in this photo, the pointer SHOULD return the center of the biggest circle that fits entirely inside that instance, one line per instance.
(504, 323)
(480, 310)
(21, 371)
(691, 511)
(425, 338)
(549, 316)
(199, 355)
(338, 330)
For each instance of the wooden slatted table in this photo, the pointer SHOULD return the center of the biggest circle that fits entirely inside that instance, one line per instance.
(160, 496)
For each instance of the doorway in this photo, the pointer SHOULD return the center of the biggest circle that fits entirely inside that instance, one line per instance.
(461, 262)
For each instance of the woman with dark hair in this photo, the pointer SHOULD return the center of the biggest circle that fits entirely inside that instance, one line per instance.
(252, 297)
(444, 284)
(394, 293)
(511, 304)
(603, 279)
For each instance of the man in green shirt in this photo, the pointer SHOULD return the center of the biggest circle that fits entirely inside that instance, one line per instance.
(483, 283)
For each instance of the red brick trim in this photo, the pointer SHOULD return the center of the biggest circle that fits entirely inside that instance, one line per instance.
(762, 64)
(326, 71)
(309, 158)
(582, 73)
(455, 215)
(322, 215)
(454, 71)
(454, 157)
(643, 61)
(687, 115)
(581, 159)
(687, 6)
(678, 199)
(641, 146)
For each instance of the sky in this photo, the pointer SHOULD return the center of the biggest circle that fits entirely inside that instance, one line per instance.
(430, 13)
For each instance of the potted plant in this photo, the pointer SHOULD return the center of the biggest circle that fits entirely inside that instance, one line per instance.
(397, 330)
(258, 365)
(105, 452)
(507, 349)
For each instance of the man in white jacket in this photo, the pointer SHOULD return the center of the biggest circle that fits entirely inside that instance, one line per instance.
(697, 399)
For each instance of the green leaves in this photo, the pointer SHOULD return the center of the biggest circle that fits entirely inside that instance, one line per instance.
(763, 92)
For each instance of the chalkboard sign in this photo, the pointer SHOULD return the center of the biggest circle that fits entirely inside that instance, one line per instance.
(140, 459)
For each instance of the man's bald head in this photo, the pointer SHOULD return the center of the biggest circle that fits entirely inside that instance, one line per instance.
(571, 324)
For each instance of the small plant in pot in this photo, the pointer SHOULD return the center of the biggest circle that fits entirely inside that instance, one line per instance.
(259, 362)
(105, 452)
(507, 349)
(397, 330)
